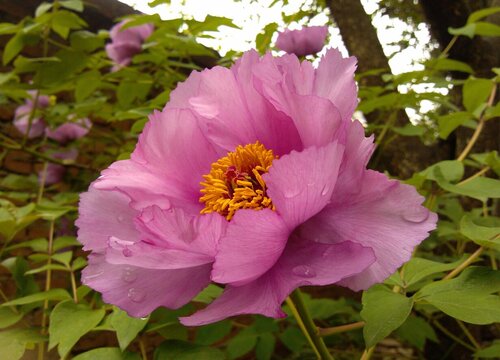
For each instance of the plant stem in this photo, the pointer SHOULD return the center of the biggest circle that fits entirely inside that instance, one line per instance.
(367, 354)
(296, 314)
(73, 286)
(309, 327)
(144, 353)
(451, 336)
(466, 263)
(479, 128)
(468, 334)
(42, 182)
(340, 329)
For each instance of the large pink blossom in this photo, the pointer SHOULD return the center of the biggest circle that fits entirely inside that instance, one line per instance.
(253, 177)
(307, 41)
(69, 131)
(24, 112)
(126, 43)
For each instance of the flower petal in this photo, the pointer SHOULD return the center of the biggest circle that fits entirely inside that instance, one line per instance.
(303, 263)
(385, 215)
(139, 291)
(253, 243)
(334, 80)
(115, 218)
(177, 229)
(149, 256)
(301, 184)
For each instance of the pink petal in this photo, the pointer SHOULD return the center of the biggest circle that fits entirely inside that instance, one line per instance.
(307, 41)
(103, 214)
(69, 131)
(385, 215)
(177, 229)
(139, 291)
(253, 243)
(150, 256)
(301, 184)
(303, 263)
(335, 81)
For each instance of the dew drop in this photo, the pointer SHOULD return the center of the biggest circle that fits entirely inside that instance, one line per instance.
(127, 252)
(93, 275)
(328, 252)
(291, 193)
(129, 274)
(120, 218)
(325, 189)
(304, 271)
(416, 215)
(136, 295)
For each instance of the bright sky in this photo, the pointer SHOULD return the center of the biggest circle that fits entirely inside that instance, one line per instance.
(252, 16)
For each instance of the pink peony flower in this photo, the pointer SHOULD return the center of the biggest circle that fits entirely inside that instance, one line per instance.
(307, 41)
(253, 177)
(126, 43)
(23, 113)
(69, 131)
(55, 172)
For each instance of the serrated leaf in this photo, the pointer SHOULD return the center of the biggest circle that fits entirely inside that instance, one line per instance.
(126, 327)
(467, 297)
(383, 312)
(69, 322)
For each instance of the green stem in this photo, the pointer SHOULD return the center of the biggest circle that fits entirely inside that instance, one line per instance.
(310, 330)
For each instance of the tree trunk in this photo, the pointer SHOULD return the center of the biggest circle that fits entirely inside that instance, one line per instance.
(405, 155)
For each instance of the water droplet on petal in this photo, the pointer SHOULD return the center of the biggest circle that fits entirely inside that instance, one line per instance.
(136, 295)
(129, 274)
(120, 218)
(291, 193)
(325, 189)
(416, 214)
(127, 252)
(328, 252)
(304, 271)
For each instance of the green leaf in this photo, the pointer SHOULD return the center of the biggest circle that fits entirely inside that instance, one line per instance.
(293, 339)
(417, 269)
(383, 311)
(13, 342)
(208, 334)
(480, 188)
(265, 346)
(211, 23)
(448, 123)
(86, 84)
(85, 41)
(69, 322)
(126, 327)
(52, 294)
(478, 28)
(490, 352)
(475, 93)
(208, 294)
(181, 350)
(63, 258)
(409, 130)
(263, 39)
(63, 21)
(444, 64)
(416, 331)
(8, 317)
(479, 14)
(13, 47)
(42, 9)
(451, 170)
(241, 344)
(484, 231)
(104, 353)
(467, 297)
(75, 5)
(25, 284)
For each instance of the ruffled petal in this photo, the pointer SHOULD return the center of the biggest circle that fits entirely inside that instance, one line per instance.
(145, 255)
(385, 215)
(334, 80)
(301, 184)
(139, 291)
(177, 229)
(103, 214)
(288, 85)
(303, 263)
(253, 243)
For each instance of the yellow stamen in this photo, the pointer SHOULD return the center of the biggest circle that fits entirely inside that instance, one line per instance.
(235, 181)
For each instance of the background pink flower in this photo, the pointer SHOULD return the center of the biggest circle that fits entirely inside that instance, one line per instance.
(23, 113)
(55, 172)
(69, 131)
(307, 41)
(253, 177)
(126, 43)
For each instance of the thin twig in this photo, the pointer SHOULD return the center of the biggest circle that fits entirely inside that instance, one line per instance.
(466, 263)
(340, 329)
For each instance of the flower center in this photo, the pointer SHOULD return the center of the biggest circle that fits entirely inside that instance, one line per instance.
(235, 181)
